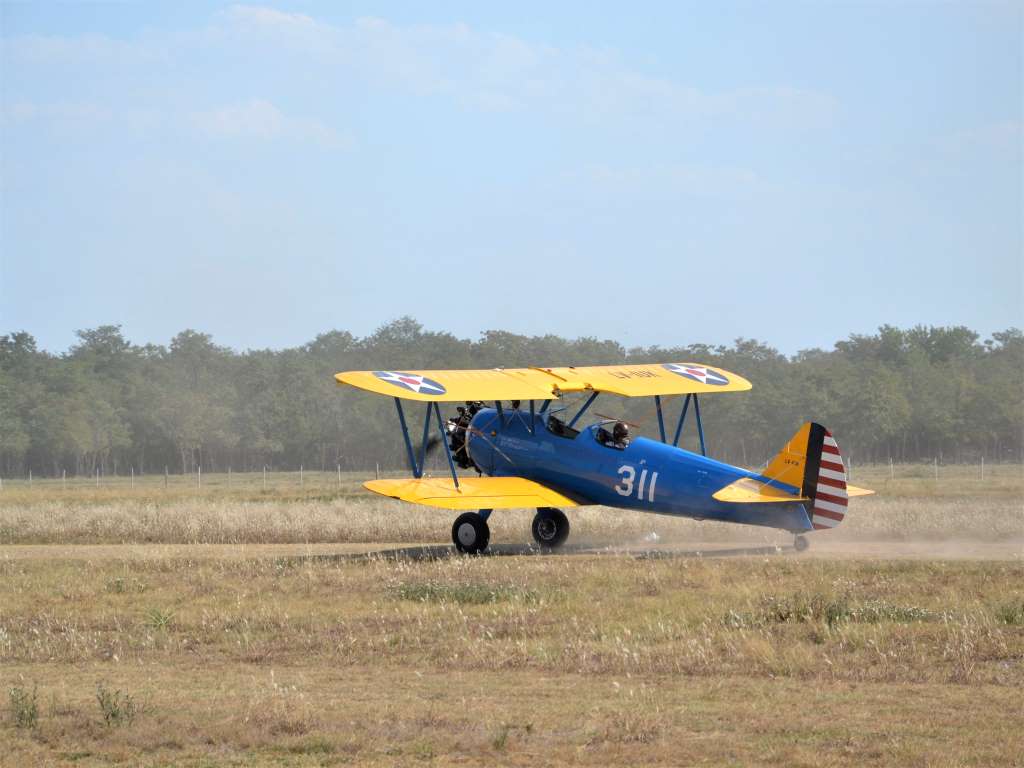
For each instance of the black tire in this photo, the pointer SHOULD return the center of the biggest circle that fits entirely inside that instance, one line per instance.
(550, 527)
(470, 533)
(800, 543)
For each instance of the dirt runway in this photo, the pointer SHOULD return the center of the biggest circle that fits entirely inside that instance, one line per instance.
(939, 549)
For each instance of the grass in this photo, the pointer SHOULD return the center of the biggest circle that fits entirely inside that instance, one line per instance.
(24, 706)
(159, 620)
(116, 707)
(831, 611)
(959, 505)
(464, 594)
(599, 658)
(901, 480)
(247, 650)
(1011, 612)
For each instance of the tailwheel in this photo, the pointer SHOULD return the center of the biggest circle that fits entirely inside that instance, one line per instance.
(550, 527)
(470, 533)
(800, 543)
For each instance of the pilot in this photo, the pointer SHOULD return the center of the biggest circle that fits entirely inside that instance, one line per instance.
(617, 438)
(620, 434)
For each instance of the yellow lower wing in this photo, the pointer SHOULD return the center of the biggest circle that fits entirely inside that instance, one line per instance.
(472, 493)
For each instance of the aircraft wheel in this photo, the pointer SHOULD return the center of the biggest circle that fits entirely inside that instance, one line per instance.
(470, 533)
(550, 527)
(800, 543)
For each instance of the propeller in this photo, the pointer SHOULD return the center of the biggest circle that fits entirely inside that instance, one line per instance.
(431, 445)
(424, 449)
(486, 439)
(434, 441)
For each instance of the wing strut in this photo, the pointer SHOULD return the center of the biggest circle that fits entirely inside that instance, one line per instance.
(661, 418)
(583, 409)
(700, 426)
(419, 467)
(405, 436)
(444, 441)
(682, 420)
(423, 444)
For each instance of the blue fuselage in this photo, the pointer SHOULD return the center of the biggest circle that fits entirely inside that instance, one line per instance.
(646, 475)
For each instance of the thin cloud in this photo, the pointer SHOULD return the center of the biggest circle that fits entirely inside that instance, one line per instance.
(1003, 137)
(263, 16)
(62, 113)
(53, 50)
(498, 72)
(473, 68)
(260, 119)
(725, 183)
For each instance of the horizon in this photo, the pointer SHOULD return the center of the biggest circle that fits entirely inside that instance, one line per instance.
(982, 338)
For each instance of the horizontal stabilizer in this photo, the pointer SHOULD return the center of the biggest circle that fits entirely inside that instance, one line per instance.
(472, 493)
(747, 490)
(853, 490)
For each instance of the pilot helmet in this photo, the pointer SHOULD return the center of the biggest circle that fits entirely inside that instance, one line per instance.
(620, 432)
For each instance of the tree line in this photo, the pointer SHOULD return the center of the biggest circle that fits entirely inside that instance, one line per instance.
(107, 405)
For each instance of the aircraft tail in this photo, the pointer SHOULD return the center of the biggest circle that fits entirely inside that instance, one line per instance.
(811, 461)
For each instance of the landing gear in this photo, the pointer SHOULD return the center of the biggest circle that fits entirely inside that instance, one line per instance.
(800, 543)
(470, 533)
(550, 527)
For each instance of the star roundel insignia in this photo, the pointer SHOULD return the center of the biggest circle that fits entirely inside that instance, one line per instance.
(414, 382)
(700, 373)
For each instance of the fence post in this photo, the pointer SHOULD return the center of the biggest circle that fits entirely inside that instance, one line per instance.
(339, 475)
(199, 475)
(377, 471)
(229, 477)
(300, 475)
(64, 479)
(983, 466)
(892, 472)
(264, 477)
(936, 462)
(133, 476)
(97, 477)
(30, 478)
(165, 475)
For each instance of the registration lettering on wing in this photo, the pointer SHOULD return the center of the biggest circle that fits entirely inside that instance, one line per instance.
(640, 374)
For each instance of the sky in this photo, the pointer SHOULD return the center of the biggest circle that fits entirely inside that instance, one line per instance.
(654, 173)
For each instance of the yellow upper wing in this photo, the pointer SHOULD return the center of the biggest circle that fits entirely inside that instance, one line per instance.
(547, 383)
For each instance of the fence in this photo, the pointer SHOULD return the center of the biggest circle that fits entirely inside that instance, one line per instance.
(267, 479)
(339, 478)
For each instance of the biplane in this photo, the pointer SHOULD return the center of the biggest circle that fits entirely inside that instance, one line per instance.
(517, 451)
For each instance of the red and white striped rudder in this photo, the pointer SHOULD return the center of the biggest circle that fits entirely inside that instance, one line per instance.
(829, 495)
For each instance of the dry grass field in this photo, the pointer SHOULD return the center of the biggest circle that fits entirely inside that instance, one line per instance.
(315, 625)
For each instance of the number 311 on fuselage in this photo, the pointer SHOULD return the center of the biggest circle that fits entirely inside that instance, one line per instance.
(524, 455)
